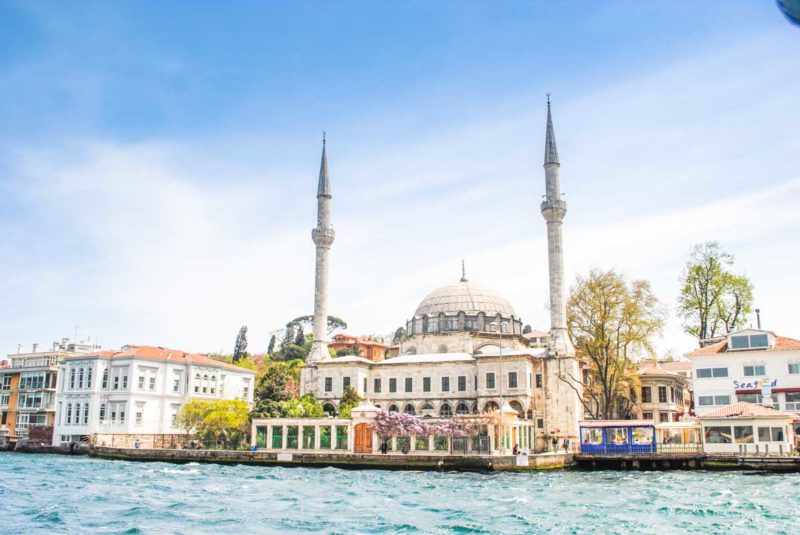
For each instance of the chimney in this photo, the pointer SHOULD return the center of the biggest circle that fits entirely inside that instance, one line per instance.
(64, 343)
(758, 317)
(55, 346)
(35, 348)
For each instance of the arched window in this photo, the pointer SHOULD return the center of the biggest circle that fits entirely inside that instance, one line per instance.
(427, 407)
(490, 406)
(409, 409)
(411, 351)
(517, 406)
(445, 410)
(462, 408)
(393, 408)
(329, 409)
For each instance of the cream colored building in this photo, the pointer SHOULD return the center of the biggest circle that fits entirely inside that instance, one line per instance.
(665, 395)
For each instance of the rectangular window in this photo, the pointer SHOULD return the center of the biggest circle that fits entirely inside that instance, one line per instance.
(756, 370)
(80, 378)
(718, 434)
(445, 384)
(540, 423)
(124, 382)
(103, 412)
(662, 394)
(85, 413)
(376, 386)
(291, 437)
(345, 383)
(176, 385)
(113, 413)
(328, 384)
(151, 385)
(647, 394)
(647, 415)
(705, 401)
(743, 434)
(105, 378)
(462, 383)
(308, 438)
(722, 400)
(89, 378)
(277, 437)
(512, 379)
(341, 437)
(707, 373)
(141, 382)
(365, 386)
(538, 380)
(261, 436)
(426, 384)
(139, 416)
(392, 385)
(777, 434)
(490, 380)
(69, 413)
(71, 379)
(794, 368)
(409, 384)
(325, 437)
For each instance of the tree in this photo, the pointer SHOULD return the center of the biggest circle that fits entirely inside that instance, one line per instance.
(527, 329)
(356, 348)
(350, 399)
(612, 322)
(289, 334)
(712, 299)
(300, 339)
(334, 323)
(271, 347)
(344, 352)
(240, 349)
(279, 383)
(223, 421)
(399, 334)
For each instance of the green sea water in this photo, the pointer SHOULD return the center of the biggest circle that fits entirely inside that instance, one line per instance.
(59, 494)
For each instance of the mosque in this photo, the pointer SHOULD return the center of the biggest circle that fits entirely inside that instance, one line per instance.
(464, 351)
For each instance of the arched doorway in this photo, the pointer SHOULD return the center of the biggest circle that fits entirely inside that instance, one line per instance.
(329, 409)
(517, 406)
(363, 438)
(409, 409)
(393, 408)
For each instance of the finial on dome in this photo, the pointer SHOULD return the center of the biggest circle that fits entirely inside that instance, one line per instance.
(463, 271)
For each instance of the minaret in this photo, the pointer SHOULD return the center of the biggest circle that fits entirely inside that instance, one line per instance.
(323, 236)
(562, 383)
(554, 208)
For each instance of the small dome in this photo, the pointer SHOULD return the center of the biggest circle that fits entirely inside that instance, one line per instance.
(464, 296)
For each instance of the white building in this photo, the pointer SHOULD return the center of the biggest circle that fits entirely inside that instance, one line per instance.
(138, 390)
(740, 366)
(745, 428)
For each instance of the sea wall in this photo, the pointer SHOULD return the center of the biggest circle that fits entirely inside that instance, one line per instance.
(343, 460)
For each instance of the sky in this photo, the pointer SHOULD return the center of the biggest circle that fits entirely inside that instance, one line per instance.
(158, 161)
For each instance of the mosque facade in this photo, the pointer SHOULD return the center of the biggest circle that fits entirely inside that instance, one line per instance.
(463, 351)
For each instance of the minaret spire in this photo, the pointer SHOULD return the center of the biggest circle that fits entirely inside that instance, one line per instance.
(463, 271)
(550, 150)
(323, 236)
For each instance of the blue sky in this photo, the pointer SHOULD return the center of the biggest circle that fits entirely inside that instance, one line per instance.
(158, 163)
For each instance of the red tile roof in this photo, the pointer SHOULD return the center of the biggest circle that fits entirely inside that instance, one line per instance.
(781, 344)
(746, 410)
(162, 354)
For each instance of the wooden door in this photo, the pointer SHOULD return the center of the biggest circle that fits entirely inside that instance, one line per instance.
(363, 438)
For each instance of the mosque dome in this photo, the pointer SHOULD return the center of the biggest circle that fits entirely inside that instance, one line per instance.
(467, 297)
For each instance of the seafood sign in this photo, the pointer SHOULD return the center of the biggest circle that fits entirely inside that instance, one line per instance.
(757, 383)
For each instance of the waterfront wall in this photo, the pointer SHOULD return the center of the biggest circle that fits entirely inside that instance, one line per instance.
(342, 460)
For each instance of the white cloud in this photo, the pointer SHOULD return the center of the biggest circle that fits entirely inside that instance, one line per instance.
(179, 244)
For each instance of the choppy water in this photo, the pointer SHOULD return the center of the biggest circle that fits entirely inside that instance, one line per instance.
(56, 494)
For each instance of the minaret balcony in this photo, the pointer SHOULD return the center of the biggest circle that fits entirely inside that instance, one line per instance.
(554, 210)
(323, 235)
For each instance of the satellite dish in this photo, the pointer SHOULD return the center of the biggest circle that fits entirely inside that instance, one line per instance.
(790, 8)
